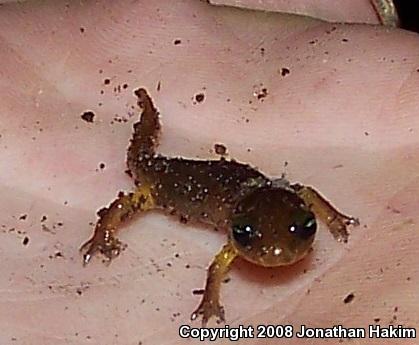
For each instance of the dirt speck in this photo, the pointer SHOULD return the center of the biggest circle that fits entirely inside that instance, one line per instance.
(177, 42)
(88, 116)
(82, 30)
(106, 81)
(199, 97)
(261, 94)
(25, 241)
(334, 28)
(23, 217)
(285, 71)
(220, 149)
(349, 298)
(118, 119)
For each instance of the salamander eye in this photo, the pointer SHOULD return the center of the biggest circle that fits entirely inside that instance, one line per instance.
(243, 234)
(306, 229)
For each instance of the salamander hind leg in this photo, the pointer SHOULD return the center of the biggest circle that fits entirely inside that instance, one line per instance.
(336, 221)
(111, 218)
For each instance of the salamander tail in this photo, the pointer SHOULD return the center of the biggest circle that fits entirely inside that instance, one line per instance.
(144, 141)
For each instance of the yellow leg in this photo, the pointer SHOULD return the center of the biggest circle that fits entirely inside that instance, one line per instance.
(111, 218)
(210, 303)
(336, 222)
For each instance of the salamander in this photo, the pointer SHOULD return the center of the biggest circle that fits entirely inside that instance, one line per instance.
(269, 221)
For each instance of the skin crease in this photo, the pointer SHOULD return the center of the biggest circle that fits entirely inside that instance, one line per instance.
(346, 123)
(355, 11)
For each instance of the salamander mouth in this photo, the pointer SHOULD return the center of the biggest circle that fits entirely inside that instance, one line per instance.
(274, 255)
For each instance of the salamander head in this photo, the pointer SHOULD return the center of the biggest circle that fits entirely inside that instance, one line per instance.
(272, 227)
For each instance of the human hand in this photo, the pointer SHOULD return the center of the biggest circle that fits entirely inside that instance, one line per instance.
(343, 118)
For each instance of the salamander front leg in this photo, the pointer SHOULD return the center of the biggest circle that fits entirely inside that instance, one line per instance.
(336, 221)
(210, 303)
(111, 218)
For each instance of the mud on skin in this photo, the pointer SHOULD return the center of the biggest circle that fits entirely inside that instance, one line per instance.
(270, 222)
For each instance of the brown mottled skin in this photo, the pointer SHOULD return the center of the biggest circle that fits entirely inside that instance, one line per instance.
(269, 221)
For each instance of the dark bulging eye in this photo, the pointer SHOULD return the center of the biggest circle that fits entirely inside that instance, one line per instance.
(243, 234)
(304, 230)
